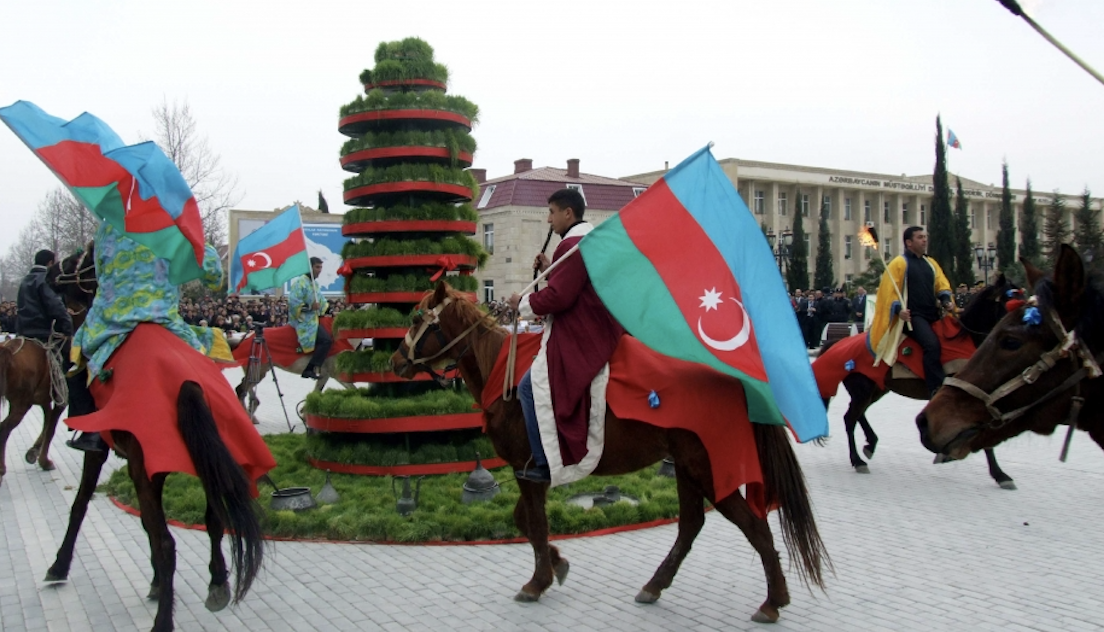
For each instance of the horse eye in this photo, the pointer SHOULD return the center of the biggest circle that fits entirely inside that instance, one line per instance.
(1010, 344)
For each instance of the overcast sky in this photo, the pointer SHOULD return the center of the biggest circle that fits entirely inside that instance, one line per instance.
(623, 86)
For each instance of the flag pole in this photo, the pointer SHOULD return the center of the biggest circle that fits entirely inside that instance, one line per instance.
(1014, 7)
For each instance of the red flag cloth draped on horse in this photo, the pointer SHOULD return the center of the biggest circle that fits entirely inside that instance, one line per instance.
(283, 344)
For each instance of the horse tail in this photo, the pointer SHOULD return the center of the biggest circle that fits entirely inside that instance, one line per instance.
(785, 488)
(226, 485)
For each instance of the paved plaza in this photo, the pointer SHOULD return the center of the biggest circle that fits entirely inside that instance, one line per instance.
(915, 547)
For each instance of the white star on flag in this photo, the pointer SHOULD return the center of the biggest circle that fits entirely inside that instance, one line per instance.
(251, 263)
(711, 299)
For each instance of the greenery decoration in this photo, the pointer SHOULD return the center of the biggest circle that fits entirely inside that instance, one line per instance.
(377, 100)
(408, 283)
(454, 245)
(440, 211)
(364, 362)
(414, 172)
(410, 49)
(366, 511)
(376, 403)
(454, 140)
(371, 318)
(389, 450)
(404, 70)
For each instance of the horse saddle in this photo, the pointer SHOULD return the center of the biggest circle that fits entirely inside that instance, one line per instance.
(901, 371)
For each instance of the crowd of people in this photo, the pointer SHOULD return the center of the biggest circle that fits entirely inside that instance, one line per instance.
(235, 313)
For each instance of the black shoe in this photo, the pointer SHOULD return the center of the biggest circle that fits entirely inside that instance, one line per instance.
(310, 373)
(535, 474)
(88, 442)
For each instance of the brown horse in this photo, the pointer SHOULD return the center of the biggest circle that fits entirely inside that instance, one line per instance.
(1040, 367)
(230, 506)
(978, 318)
(629, 446)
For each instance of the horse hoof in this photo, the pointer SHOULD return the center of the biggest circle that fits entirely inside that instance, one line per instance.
(868, 452)
(561, 570)
(154, 593)
(646, 597)
(524, 597)
(862, 469)
(218, 597)
(48, 466)
(940, 459)
(31, 456)
(53, 578)
(1009, 485)
(763, 617)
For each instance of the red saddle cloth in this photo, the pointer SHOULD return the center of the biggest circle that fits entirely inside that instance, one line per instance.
(140, 396)
(833, 366)
(691, 397)
(283, 344)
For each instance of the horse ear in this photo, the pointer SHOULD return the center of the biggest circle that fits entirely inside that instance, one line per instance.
(1034, 275)
(1069, 284)
(440, 293)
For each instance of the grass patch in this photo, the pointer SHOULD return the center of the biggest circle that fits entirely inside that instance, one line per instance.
(371, 318)
(367, 508)
(414, 172)
(455, 141)
(364, 362)
(386, 246)
(429, 211)
(410, 48)
(427, 100)
(359, 283)
(379, 403)
(399, 449)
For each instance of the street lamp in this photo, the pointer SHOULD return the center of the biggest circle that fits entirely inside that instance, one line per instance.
(781, 248)
(986, 258)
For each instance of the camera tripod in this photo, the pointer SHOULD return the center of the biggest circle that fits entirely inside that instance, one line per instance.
(258, 354)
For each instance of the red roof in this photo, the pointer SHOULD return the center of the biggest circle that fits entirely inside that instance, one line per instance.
(532, 188)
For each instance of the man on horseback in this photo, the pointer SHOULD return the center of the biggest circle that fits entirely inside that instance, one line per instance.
(579, 338)
(912, 289)
(305, 305)
(41, 311)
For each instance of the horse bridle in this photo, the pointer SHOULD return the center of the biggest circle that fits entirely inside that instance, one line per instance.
(74, 278)
(416, 342)
(1068, 347)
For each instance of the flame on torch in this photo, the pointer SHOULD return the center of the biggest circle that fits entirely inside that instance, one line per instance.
(868, 237)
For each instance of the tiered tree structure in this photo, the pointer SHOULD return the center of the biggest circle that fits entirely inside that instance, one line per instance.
(410, 145)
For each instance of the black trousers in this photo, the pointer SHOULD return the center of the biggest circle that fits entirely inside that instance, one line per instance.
(923, 334)
(322, 343)
(80, 398)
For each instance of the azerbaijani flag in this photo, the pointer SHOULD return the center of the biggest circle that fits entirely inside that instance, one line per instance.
(952, 140)
(686, 269)
(271, 255)
(135, 188)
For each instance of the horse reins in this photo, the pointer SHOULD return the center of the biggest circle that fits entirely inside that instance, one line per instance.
(431, 322)
(74, 278)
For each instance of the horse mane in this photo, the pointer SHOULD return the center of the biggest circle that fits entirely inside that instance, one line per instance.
(1089, 327)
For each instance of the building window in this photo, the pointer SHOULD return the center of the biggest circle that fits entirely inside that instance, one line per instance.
(866, 211)
(807, 245)
(486, 197)
(904, 215)
(847, 209)
(638, 190)
(973, 218)
(579, 188)
(488, 291)
(885, 212)
(488, 238)
(847, 247)
(848, 279)
(923, 215)
(781, 203)
(805, 207)
(989, 219)
(826, 204)
(885, 249)
(760, 207)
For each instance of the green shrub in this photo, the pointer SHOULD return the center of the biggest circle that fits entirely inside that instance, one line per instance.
(404, 69)
(410, 48)
(440, 211)
(455, 141)
(414, 172)
(408, 283)
(367, 403)
(386, 247)
(372, 318)
(426, 100)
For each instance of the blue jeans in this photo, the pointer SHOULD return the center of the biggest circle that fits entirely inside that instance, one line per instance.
(529, 410)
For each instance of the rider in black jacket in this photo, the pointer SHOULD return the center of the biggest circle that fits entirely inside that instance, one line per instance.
(41, 311)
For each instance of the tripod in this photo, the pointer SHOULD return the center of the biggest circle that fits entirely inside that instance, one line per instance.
(254, 372)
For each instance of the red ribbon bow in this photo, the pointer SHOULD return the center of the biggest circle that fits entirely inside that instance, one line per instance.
(447, 263)
(345, 269)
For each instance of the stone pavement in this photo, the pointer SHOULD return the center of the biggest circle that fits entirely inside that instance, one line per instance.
(916, 547)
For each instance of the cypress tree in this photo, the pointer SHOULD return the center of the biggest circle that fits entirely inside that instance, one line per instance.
(1029, 229)
(1006, 235)
(941, 241)
(1087, 234)
(797, 275)
(1055, 229)
(823, 277)
(963, 247)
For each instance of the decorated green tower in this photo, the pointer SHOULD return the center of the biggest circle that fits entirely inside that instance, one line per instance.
(410, 144)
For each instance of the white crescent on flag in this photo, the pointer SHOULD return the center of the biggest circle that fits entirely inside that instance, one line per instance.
(737, 341)
(252, 263)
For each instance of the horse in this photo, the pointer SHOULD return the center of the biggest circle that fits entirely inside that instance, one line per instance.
(1040, 367)
(26, 380)
(978, 318)
(629, 446)
(230, 506)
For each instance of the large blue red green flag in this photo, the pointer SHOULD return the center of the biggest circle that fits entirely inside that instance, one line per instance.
(686, 269)
(271, 255)
(135, 188)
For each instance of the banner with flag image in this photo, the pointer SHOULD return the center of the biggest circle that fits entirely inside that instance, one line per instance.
(135, 188)
(271, 255)
(686, 269)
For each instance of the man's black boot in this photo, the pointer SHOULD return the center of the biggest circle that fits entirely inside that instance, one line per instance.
(535, 474)
(310, 372)
(88, 442)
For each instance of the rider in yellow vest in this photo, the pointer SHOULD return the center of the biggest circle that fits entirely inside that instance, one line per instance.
(912, 289)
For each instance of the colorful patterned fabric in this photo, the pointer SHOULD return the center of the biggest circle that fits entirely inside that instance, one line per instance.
(302, 293)
(134, 287)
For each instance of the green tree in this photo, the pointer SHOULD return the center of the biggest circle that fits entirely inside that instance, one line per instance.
(963, 247)
(823, 277)
(1006, 234)
(1056, 230)
(1087, 235)
(871, 277)
(1029, 229)
(797, 274)
(941, 241)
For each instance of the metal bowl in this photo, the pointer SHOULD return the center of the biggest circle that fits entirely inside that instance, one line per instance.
(293, 498)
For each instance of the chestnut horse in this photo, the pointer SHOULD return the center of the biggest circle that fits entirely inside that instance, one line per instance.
(1040, 367)
(978, 318)
(629, 446)
(230, 506)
